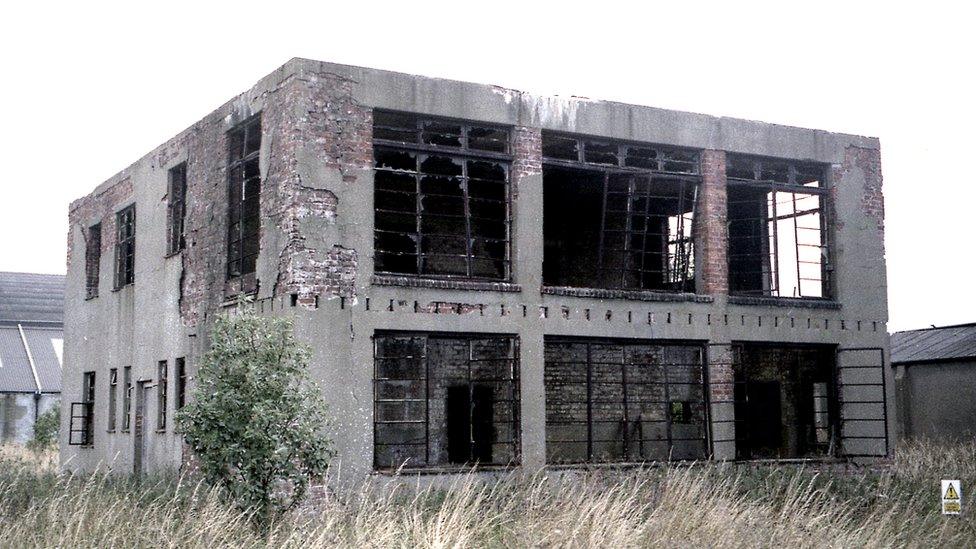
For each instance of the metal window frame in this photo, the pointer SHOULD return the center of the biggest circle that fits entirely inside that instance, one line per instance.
(769, 255)
(93, 258)
(238, 265)
(125, 246)
(162, 386)
(662, 154)
(81, 426)
(625, 400)
(463, 154)
(176, 209)
(843, 419)
(113, 388)
(180, 382)
(127, 398)
(513, 380)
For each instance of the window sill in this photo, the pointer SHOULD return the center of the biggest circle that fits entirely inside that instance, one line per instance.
(444, 470)
(172, 254)
(91, 297)
(791, 302)
(445, 284)
(633, 295)
(120, 288)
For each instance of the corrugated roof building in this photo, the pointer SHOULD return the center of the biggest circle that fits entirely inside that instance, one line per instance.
(935, 381)
(31, 342)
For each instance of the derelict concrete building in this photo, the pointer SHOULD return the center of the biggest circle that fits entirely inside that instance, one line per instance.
(488, 276)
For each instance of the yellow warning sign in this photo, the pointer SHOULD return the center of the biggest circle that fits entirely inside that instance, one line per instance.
(951, 493)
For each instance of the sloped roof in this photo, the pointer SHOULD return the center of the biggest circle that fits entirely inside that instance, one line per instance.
(934, 344)
(29, 297)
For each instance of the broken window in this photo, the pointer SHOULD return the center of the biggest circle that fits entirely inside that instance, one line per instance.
(623, 401)
(126, 398)
(93, 257)
(162, 384)
(785, 401)
(445, 399)
(125, 247)
(176, 209)
(442, 201)
(81, 431)
(617, 215)
(244, 193)
(113, 386)
(777, 228)
(180, 382)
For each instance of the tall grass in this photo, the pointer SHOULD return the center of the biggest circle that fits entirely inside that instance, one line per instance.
(703, 505)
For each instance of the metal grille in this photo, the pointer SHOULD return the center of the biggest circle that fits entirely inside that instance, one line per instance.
(609, 400)
(777, 216)
(415, 375)
(863, 393)
(442, 200)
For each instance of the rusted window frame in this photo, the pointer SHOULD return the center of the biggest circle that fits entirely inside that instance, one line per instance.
(125, 246)
(239, 261)
(768, 174)
(463, 153)
(162, 392)
(180, 382)
(126, 398)
(113, 390)
(514, 380)
(176, 209)
(626, 398)
(81, 429)
(93, 259)
(664, 159)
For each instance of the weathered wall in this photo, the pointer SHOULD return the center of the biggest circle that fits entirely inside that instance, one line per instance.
(937, 401)
(18, 412)
(317, 245)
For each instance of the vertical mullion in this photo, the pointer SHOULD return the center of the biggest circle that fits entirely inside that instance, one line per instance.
(418, 246)
(470, 401)
(426, 402)
(589, 402)
(628, 227)
(667, 405)
(467, 218)
(603, 225)
(796, 247)
(623, 382)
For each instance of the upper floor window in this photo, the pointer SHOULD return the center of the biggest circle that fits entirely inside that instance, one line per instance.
(244, 193)
(93, 258)
(442, 199)
(618, 215)
(176, 209)
(125, 246)
(777, 218)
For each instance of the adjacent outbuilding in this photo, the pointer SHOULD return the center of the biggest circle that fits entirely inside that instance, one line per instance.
(31, 343)
(935, 381)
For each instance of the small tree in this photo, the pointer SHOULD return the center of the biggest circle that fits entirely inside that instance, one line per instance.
(256, 419)
(46, 430)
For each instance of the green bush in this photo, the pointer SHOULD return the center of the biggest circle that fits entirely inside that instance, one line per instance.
(46, 430)
(256, 420)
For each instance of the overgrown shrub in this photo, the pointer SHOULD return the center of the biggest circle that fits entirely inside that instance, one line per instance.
(46, 430)
(256, 419)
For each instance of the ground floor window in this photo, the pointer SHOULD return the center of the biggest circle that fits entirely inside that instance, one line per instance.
(785, 401)
(625, 401)
(445, 399)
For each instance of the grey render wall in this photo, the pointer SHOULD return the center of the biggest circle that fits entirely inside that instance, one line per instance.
(148, 321)
(936, 400)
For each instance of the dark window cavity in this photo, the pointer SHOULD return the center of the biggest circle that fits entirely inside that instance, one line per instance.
(618, 215)
(244, 192)
(113, 389)
(442, 400)
(162, 386)
(624, 401)
(777, 218)
(125, 247)
(180, 382)
(81, 431)
(93, 257)
(176, 209)
(126, 398)
(442, 202)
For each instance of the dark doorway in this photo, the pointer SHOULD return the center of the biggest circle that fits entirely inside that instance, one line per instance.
(469, 423)
(760, 404)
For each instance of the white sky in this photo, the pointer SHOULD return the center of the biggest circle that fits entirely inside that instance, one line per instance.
(90, 87)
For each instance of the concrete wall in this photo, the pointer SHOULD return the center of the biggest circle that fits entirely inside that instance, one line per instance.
(317, 244)
(19, 411)
(936, 400)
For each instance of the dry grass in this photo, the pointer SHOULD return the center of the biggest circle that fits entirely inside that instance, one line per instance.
(710, 505)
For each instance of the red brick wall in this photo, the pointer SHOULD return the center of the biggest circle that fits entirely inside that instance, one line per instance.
(711, 225)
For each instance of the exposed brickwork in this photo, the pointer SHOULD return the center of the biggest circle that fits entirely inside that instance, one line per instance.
(448, 307)
(869, 162)
(633, 295)
(95, 208)
(316, 112)
(711, 225)
(439, 284)
(527, 151)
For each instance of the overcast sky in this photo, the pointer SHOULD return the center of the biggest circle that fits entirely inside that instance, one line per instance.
(90, 87)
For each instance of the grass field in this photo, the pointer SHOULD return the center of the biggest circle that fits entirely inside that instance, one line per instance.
(704, 505)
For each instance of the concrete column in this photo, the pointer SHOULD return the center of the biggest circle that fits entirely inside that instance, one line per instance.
(721, 384)
(713, 237)
(526, 181)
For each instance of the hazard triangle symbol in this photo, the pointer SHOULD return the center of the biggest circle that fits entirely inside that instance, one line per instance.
(951, 493)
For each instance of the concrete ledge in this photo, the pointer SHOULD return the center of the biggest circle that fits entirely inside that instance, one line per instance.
(790, 302)
(633, 295)
(442, 284)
